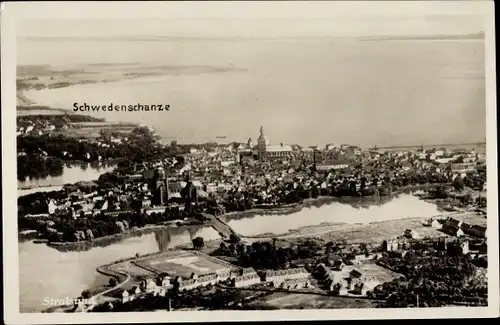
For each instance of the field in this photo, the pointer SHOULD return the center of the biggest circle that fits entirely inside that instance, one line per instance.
(94, 132)
(376, 232)
(184, 265)
(371, 275)
(132, 269)
(308, 301)
(41, 111)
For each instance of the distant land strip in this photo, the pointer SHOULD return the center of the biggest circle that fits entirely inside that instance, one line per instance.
(433, 145)
(476, 36)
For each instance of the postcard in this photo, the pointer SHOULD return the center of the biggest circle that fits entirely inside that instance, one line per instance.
(249, 160)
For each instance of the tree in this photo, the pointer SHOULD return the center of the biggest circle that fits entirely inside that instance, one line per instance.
(223, 248)
(234, 238)
(85, 294)
(112, 282)
(458, 184)
(198, 243)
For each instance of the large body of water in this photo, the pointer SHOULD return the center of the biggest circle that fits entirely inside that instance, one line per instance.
(312, 91)
(71, 174)
(404, 206)
(47, 272)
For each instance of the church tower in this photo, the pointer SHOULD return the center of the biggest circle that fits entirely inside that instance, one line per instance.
(160, 187)
(262, 143)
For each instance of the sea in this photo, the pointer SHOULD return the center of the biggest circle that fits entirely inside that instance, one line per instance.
(302, 91)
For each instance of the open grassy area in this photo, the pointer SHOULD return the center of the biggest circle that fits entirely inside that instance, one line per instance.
(306, 301)
(129, 268)
(185, 265)
(376, 232)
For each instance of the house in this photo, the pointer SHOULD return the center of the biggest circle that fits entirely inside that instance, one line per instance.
(476, 244)
(336, 262)
(479, 231)
(100, 206)
(135, 177)
(292, 284)
(432, 223)
(358, 288)
(245, 280)
(462, 168)
(196, 281)
(452, 227)
(125, 296)
(474, 230)
(355, 274)
(410, 233)
(206, 279)
(224, 274)
(322, 270)
(52, 206)
(334, 286)
(166, 282)
(132, 294)
(394, 245)
(149, 285)
(248, 270)
(186, 285)
(330, 279)
(460, 246)
(277, 277)
(466, 228)
(303, 262)
(332, 164)
(442, 243)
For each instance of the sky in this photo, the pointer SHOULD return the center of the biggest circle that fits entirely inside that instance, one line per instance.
(275, 19)
(256, 27)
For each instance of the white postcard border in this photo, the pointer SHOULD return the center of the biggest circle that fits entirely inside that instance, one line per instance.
(12, 12)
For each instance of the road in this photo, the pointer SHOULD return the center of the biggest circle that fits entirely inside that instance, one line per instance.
(219, 225)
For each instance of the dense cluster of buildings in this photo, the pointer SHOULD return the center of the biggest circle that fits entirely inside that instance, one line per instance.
(295, 278)
(263, 174)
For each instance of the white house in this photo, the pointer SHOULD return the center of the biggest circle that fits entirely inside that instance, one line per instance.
(246, 280)
(277, 277)
(52, 206)
(149, 286)
(125, 296)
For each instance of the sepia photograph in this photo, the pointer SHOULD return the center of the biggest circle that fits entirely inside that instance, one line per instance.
(249, 161)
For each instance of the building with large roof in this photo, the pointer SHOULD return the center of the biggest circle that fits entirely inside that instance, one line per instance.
(265, 150)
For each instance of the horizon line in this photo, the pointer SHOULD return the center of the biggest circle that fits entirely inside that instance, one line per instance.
(480, 34)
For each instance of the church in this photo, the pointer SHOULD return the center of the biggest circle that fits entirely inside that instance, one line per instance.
(159, 187)
(263, 150)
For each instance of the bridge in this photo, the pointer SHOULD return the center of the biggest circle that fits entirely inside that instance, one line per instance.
(220, 226)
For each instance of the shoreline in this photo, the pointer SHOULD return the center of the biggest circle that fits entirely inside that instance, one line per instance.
(86, 245)
(111, 161)
(266, 211)
(123, 279)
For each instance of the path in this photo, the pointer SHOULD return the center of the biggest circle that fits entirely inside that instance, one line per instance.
(96, 297)
(219, 225)
(317, 293)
